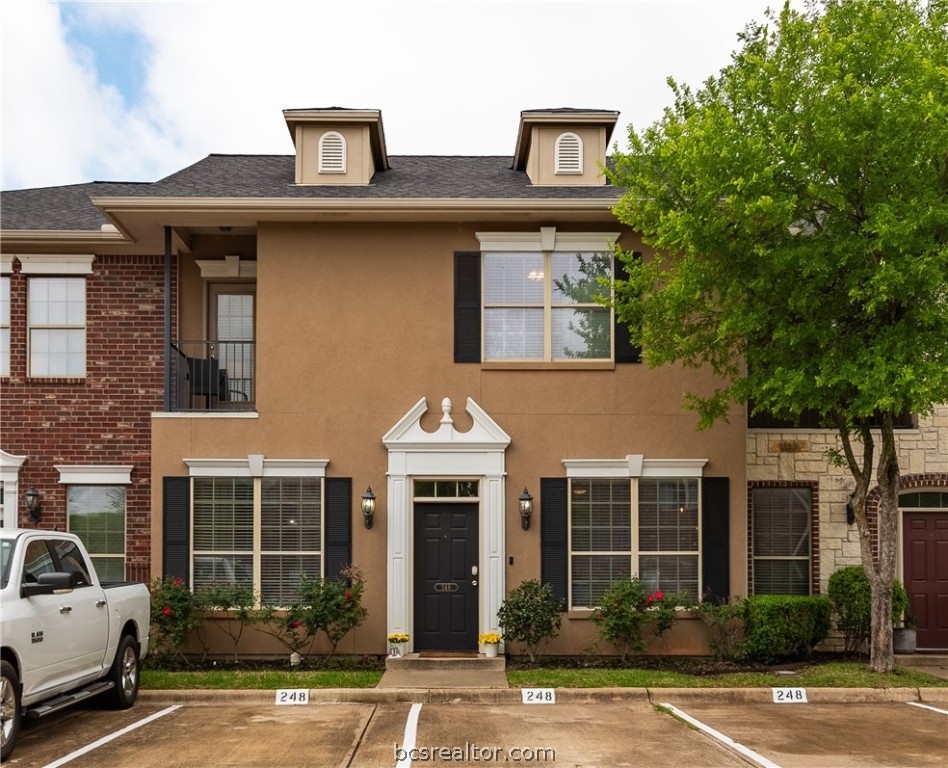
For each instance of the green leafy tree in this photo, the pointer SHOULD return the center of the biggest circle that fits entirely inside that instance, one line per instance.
(798, 207)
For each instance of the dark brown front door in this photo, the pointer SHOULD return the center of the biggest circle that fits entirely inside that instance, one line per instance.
(445, 577)
(926, 574)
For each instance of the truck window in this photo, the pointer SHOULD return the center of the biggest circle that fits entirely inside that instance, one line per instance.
(6, 557)
(37, 561)
(72, 561)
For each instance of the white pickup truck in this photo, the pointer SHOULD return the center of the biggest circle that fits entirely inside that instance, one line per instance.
(65, 637)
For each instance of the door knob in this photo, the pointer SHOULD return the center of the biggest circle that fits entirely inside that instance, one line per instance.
(473, 582)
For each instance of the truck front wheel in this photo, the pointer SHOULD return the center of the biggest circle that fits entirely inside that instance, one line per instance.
(9, 709)
(125, 673)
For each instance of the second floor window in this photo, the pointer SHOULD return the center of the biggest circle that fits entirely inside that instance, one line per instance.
(543, 306)
(57, 326)
(4, 326)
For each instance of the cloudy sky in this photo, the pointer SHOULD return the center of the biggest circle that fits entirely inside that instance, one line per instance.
(132, 91)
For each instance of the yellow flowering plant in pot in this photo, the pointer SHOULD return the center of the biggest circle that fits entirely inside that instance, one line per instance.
(489, 642)
(395, 642)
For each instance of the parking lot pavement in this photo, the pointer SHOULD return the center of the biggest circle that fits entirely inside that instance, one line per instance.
(830, 735)
(236, 729)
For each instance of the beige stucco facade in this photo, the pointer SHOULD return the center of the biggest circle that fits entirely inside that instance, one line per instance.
(354, 325)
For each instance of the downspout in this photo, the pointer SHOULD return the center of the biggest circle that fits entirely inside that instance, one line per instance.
(167, 331)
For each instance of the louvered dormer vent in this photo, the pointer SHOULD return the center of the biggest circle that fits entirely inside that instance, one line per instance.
(332, 153)
(569, 153)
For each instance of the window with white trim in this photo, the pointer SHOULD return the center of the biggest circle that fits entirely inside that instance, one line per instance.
(97, 515)
(781, 540)
(56, 312)
(4, 326)
(568, 154)
(332, 152)
(263, 531)
(547, 306)
(622, 527)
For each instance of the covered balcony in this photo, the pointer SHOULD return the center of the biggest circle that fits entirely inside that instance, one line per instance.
(212, 375)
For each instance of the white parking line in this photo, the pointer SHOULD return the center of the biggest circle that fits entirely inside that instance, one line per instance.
(411, 735)
(747, 752)
(926, 706)
(106, 739)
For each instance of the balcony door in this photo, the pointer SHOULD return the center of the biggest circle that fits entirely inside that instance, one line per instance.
(231, 323)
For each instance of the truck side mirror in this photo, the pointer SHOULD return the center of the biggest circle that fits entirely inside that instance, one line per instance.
(46, 584)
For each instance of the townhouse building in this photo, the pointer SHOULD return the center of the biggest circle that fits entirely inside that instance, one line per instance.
(267, 367)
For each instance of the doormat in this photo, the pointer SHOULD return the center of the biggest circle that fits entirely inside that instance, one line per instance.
(448, 655)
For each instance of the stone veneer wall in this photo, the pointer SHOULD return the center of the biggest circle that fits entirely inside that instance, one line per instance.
(796, 456)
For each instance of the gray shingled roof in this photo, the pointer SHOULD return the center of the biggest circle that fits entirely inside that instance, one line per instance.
(272, 176)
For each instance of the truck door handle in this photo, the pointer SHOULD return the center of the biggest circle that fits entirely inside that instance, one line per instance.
(66, 609)
(100, 604)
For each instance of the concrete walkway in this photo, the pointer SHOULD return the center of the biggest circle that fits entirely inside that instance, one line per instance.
(443, 678)
(934, 664)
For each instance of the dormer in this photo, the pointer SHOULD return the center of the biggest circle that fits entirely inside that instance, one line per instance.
(564, 147)
(336, 145)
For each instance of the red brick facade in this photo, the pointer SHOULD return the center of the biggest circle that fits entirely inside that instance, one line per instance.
(104, 418)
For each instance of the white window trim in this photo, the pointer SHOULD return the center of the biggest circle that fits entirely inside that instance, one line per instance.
(6, 263)
(95, 474)
(633, 467)
(228, 267)
(547, 239)
(563, 168)
(256, 465)
(10, 466)
(52, 264)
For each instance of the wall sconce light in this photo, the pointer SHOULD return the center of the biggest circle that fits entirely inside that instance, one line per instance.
(526, 509)
(850, 509)
(368, 507)
(34, 504)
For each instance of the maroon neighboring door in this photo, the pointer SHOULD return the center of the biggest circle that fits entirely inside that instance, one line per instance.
(925, 535)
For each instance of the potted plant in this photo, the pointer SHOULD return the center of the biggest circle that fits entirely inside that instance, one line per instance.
(395, 642)
(489, 641)
(904, 638)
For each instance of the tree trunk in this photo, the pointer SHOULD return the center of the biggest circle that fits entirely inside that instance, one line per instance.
(879, 570)
(881, 573)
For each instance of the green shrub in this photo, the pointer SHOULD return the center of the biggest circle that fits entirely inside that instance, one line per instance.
(780, 627)
(851, 596)
(530, 615)
(175, 612)
(725, 623)
(237, 598)
(331, 606)
(625, 610)
(620, 616)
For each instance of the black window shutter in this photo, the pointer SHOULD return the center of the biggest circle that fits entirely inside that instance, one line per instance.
(715, 538)
(338, 554)
(626, 352)
(176, 528)
(467, 307)
(554, 526)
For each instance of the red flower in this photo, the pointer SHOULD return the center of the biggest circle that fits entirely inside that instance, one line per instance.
(659, 595)
(166, 611)
(178, 582)
(295, 625)
(348, 594)
(649, 599)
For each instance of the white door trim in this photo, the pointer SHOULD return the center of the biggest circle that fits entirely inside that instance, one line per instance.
(478, 453)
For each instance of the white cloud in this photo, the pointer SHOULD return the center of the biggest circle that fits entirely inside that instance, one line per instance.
(449, 77)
